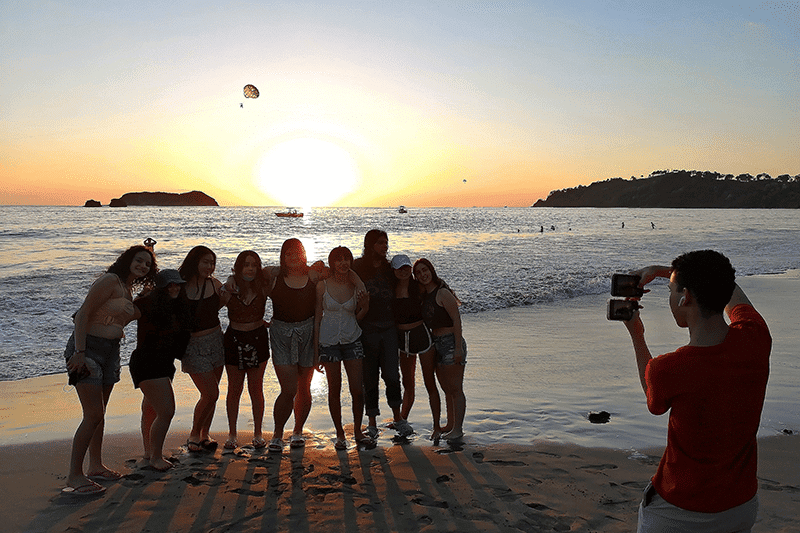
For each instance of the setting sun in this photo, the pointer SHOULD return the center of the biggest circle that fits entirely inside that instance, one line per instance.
(307, 172)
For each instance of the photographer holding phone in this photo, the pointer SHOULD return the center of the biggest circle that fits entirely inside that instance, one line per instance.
(715, 387)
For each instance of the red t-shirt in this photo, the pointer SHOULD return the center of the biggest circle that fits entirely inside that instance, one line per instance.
(716, 394)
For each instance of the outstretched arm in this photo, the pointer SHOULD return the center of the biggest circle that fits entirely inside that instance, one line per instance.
(636, 329)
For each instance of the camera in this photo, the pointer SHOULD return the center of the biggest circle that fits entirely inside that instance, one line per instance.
(622, 309)
(626, 286)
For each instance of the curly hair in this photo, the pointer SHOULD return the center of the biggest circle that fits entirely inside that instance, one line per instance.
(708, 275)
(122, 266)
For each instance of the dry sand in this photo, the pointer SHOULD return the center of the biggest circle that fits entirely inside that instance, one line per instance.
(410, 487)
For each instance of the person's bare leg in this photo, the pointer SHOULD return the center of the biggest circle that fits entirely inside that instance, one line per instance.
(427, 361)
(408, 370)
(232, 399)
(93, 406)
(96, 465)
(284, 403)
(162, 400)
(354, 377)
(302, 401)
(333, 373)
(255, 387)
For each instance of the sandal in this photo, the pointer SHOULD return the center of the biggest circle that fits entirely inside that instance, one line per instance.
(105, 475)
(209, 445)
(340, 444)
(89, 489)
(259, 442)
(275, 445)
(194, 446)
(297, 441)
(231, 444)
(372, 432)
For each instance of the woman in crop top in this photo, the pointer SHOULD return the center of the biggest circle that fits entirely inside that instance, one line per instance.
(93, 362)
(414, 339)
(205, 355)
(440, 312)
(247, 343)
(292, 341)
(337, 341)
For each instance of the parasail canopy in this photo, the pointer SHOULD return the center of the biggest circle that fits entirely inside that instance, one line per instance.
(250, 91)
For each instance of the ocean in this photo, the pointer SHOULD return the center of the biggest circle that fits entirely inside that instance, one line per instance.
(503, 263)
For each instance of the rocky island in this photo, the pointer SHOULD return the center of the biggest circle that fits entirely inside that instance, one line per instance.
(682, 189)
(194, 198)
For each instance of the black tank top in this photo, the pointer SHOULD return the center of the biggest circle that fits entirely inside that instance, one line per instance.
(205, 311)
(293, 305)
(434, 315)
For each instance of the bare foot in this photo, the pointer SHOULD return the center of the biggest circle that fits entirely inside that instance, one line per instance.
(162, 465)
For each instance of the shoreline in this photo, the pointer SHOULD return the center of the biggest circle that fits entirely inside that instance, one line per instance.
(510, 475)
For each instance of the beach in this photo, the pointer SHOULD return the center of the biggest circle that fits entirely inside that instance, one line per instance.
(499, 480)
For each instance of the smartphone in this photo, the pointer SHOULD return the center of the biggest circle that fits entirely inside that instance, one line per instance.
(622, 309)
(626, 286)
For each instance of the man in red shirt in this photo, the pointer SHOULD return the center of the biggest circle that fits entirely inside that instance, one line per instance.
(714, 389)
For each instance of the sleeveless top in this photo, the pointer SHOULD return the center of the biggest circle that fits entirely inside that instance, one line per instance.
(339, 325)
(243, 313)
(407, 310)
(205, 311)
(434, 315)
(114, 311)
(293, 305)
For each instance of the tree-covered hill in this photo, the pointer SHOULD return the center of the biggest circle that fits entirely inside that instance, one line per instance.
(682, 188)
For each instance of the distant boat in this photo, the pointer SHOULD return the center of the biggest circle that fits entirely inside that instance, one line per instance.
(402, 209)
(289, 213)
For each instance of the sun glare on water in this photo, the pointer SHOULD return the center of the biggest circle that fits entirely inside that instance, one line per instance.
(307, 172)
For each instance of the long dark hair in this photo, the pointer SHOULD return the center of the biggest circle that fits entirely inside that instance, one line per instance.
(122, 266)
(435, 277)
(370, 239)
(189, 267)
(259, 284)
(288, 246)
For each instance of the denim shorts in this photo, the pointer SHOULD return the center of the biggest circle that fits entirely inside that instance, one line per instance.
(204, 354)
(341, 352)
(102, 360)
(446, 349)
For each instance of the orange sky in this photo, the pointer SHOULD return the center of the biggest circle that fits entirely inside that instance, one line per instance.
(364, 104)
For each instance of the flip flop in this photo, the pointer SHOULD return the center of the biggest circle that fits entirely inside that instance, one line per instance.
(276, 445)
(106, 475)
(340, 444)
(259, 442)
(231, 444)
(297, 441)
(209, 444)
(372, 432)
(89, 489)
(194, 446)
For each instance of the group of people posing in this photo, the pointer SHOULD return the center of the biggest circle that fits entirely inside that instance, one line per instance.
(371, 315)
